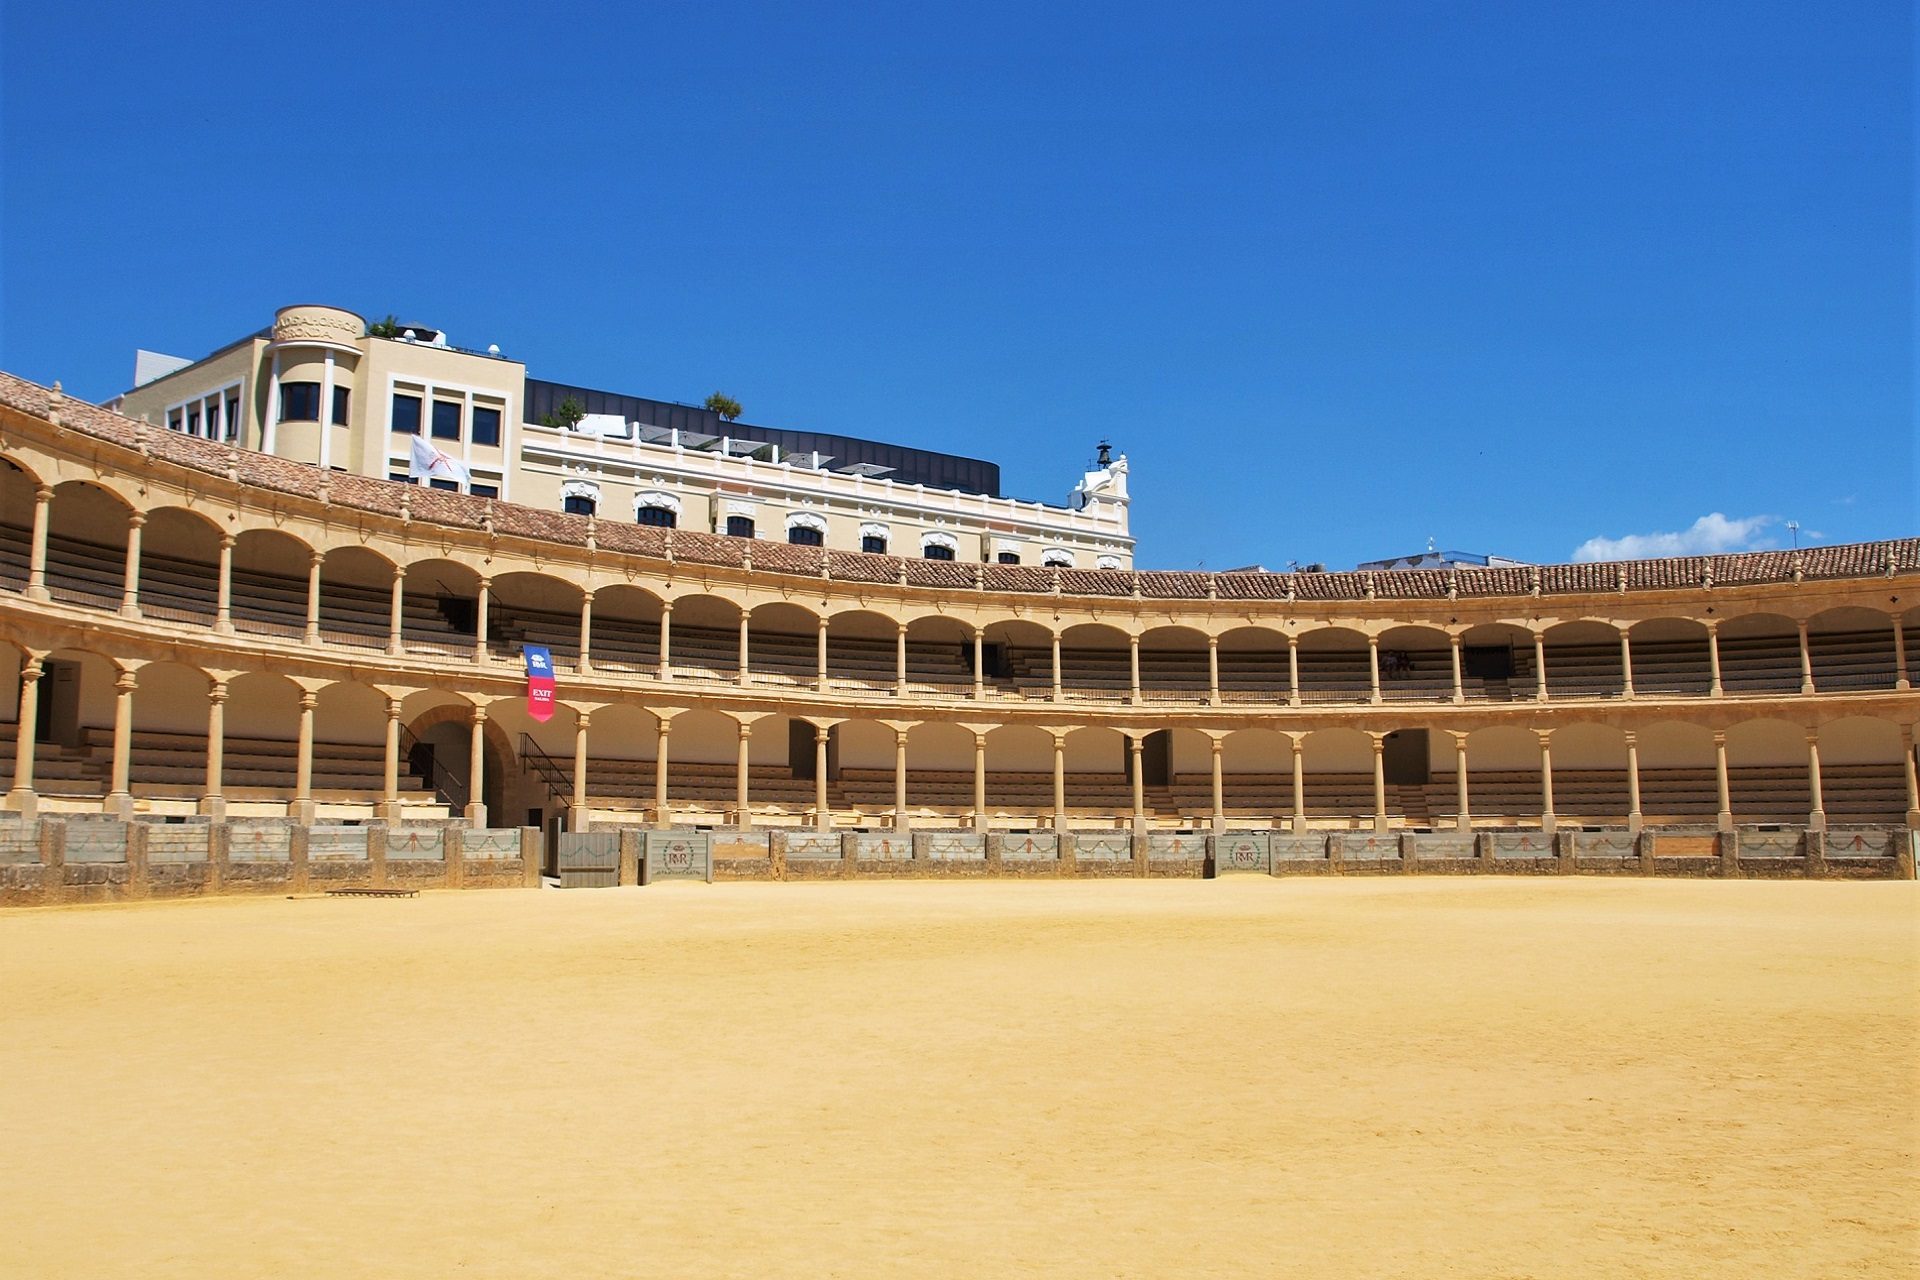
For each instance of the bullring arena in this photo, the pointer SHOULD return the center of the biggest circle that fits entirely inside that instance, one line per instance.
(1362, 897)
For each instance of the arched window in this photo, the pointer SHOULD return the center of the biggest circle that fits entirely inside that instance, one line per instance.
(939, 546)
(873, 538)
(1006, 557)
(1057, 558)
(739, 526)
(805, 529)
(660, 510)
(1108, 562)
(579, 497)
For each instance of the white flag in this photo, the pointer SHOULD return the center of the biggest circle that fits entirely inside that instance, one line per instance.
(429, 462)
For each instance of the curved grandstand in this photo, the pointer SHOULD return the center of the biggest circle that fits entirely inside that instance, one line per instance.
(206, 637)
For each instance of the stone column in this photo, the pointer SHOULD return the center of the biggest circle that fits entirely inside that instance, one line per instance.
(1459, 684)
(1816, 820)
(1059, 782)
(1900, 680)
(1465, 820)
(822, 816)
(481, 601)
(1806, 659)
(312, 634)
(746, 651)
(579, 815)
(396, 612)
(120, 800)
(1379, 741)
(979, 782)
(477, 769)
(1626, 664)
(1299, 783)
(1293, 671)
(1725, 820)
(1373, 669)
(1056, 667)
(979, 661)
(22, 799)
(214, 802)
(1219, 788)
(1913, 777)
(1714, 689)
(390, 802)
(820, 658)
(223, 609)
(37, 554)
(899, 779)
(1133, 669)
(1540, 665)
(130, 590)
(1548, 821)
(302, 808)
(1135, 744)
(662, 812)
(666, 640)
(585, 664)
(900, 660)
(742, 768)
(1633, 784)
(1213, 671)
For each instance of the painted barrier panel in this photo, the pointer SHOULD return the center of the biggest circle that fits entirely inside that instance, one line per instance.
(678, 855)
(811, 844)
(1378, 846)
(342, 842)
(1521, 844)
(1298, 846)
(1172, 847)
(1771, 844)
(177, 842)
(404, 843)
(1102, 846)
(882, 846)
(954, 846)
(491, 842)
(19, 844)
(1604, 844)
(588, 859)
(95, 841)
(1442, 844)
(1243, 853)
(259, 842)
(1858, 842)
(1024, 846)
(746, 845)
(1686, 844)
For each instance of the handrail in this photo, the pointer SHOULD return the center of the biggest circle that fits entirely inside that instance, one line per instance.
(453, 790)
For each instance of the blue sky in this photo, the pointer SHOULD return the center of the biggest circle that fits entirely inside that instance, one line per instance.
(1338, 277)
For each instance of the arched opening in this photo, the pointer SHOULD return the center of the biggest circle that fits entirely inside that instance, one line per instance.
(1759, 652)
(1257, 775)
(1019, 775)
(626, 629)
(1335, 666)
(703, 753)
(1253, 666)
(17, 488)
(356, 597)
(1590, 773)
(783, 646)
(436, 746)
(1677, 782)
(180, 567)
(1503, 777)
(270, 583)
(1851, 648)
(1098, 777)
(350, 750)
(940, 656)
(1670, 658)
(534, 608)
(704, 640)
(1173, 665)
(167, 760)
(260, 745)
(1017, 655)
(1337, 765)
(622, 745)
(1768, 778)
(1094, 663)
(440, 612)
(1862, 771)
(1416, 665)
(939, 771)
(862, 651)
(87, 545)
(1496, 663)
(1583, 660)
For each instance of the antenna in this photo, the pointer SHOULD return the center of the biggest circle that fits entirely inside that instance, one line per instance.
(1793, 527)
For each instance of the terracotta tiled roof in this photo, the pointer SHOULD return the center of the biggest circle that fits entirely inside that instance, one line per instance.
(453, 510)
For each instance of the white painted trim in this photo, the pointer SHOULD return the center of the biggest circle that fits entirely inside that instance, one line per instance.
(937, 539)
(1108, 562)
(655, 498)
(582, 489)
(1056, 558)
(806, 520)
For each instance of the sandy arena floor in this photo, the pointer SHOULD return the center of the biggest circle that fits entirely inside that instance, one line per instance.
(1488, 1079)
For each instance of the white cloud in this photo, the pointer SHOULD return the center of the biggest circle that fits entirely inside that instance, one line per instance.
(1708, 535)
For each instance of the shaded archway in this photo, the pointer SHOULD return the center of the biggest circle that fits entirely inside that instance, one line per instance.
(1336, 665)
(18, 486)
(528, 607)
(1253, 665)
(1173, 665)
(1416, 664)
(1759, 653)
(1851, 648)
(356, 597)
(440, 613)
(180, 566)
(1670, 658)
(87, 528)
(270, 570)
(626, 629)
(1584, 660)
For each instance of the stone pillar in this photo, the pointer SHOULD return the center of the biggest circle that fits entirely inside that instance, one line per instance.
(1634, 821)
(900, 779)
(1816, 820)
(1213, 671)
(742, 768)
(130, 590)
(214, 803)
(396, 612)
(1725, 820)
(1900, 680)
(314, 562)
(481, 601)
(1907, 765)
(1056, 667)
(1059, 782)
(390, 800)
(1379, 741)
(1133, 669)
(579, 816)
(662, 812)
(900, 660)
(1459, 685)
(1540, 665)
(820, 658)
(1373, 669)
(1135, 744)
(1460, 795)
(746, 652)
(477, 769)
(120, 800)
(979, 782)
(1299, 783)
(22, 799)
(1626, 663)
(1548, 821)
(1219, 788)
(1293, 671)
(1714, 689)
(1806, 658)
(585, 665)
(822, 816)
(37, 555)
(223, 609)
(979, 661)
(301, 810)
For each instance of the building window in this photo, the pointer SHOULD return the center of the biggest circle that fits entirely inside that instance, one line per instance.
(484, 490)
(1008, 557)
(664, 518)
(451, 486)
(1057, 560)
(801, 536)
(401, 477)
(213, 419)
(174, 421)
(341, 395)
(739, 526)
(446, 419)
(575, 504)
(406, 415)
(193, 421)
(486, 425)
(300, 402)
(873, 545)
(934, 551)
(233, 418)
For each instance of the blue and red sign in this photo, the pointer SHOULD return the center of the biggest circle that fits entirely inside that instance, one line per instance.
(539, 681)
